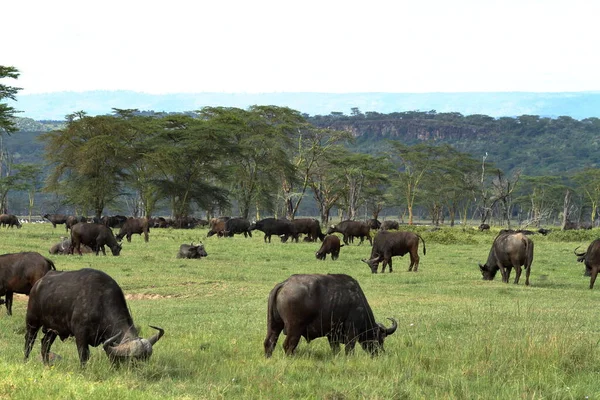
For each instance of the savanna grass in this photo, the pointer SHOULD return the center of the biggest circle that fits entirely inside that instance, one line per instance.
(458, 337)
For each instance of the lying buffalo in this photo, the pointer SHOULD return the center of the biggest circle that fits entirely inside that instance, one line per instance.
(389, 244)
(64, 246)
(591, 259)
(272, 226)
(94, 235)
(331, 245)
(390, 225)
(484, 227)
(509, 250)
(351, 229)
(314, 306)
(89, 305)
(191, 251)
(19, 272)
(134, 225)
(9, 220)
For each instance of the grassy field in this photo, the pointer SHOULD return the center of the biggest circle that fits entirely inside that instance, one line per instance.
(458, 337)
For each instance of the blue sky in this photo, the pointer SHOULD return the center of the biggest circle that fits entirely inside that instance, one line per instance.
(309, 46)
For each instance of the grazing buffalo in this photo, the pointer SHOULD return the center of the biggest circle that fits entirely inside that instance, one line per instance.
(373, 223)
(389, 244)
(235, 226)
(510, 249)
(134, 225)
(191, 251)
(56, 219)
(9, 220)
(352, 229)
(19, 272)
(389, 225)
(89, 305)
(331, 245)
(310, 227)
(72, 220)
(314, 306)
(484, 227)
(273, 226)
(591, 259)
(94, 235)
(63, 247)
(114, 221)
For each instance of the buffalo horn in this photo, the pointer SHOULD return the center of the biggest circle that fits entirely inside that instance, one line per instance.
(110, 340)
(578, 254)
(393, 328)
(157, 335)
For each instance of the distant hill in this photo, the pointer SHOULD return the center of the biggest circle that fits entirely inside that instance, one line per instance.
(55, 106)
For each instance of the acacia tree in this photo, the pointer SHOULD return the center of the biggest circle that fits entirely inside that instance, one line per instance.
(588, 182)
(7, 112)
(327, 183)
(541, 196)
(87, 160)
(31, 182)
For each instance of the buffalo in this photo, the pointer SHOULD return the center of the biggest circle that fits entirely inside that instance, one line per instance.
(273, 226)
(19, 272)
(389, 244)
(72, 220)
(331, 245)
(89, 305)
(191, 251)
(310, 227)
(217, 226)
(9, 220)
(509, 250)
(316, 305)
(351, 229)
(591, 259)
(484, 227)
(235, 226)
(113, 221)
(64, 246)
(373, 223)
(389, 225)
(94, 235)
(134, 225)
(56, 219)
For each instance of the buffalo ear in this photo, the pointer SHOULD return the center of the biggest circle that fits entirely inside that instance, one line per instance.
(481, 267)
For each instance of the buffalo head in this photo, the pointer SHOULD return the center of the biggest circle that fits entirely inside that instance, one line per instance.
(373, 262)
(131, 349)
(488, 273)
(381, 332)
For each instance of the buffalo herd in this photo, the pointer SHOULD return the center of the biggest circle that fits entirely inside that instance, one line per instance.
(90, 306)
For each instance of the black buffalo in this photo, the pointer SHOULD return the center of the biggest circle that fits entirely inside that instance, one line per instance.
(19, 272)
(544, 231)
(94, 235)
(310, 227)
(331, 245)
(235, 226)
(273, 226)
(191, 251)
(72, 220)
(591, 259)
(389, 225)
(89, 305)
(484, 227)
(56, 219)
(389, 244)
(9, 220)
(134, 225)
(314, 306)
(351, 229)
(113, 221)
(509, 250)
(373, 223)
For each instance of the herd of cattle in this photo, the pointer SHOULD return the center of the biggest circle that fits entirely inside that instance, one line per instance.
(92, 307)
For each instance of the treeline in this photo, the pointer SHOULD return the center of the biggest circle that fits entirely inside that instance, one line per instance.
(274, 160)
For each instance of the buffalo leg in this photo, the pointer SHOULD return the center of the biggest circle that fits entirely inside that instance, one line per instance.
(517, 273)
(527, 271)
(129, 237)
(271, 339)
(83, 350)
(47, 341)
(414, 261)
(9, 301)
(592, 276)
(350, 347)
(383, 265)
(291, 342)
(146, 237)
(30, 336)
(334, 344)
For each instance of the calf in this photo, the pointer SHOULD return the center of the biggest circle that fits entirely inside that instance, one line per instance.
(389, 244)
(351, 229)
(134, 225)
(19, 272)
(191, 251)
(331, 245)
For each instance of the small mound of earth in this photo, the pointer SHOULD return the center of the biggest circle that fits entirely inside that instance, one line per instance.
(141, 296)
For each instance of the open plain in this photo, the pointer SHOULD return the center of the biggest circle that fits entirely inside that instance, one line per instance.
(458, 337)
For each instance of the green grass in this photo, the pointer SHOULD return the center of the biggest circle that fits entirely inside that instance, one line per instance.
(458, 337)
